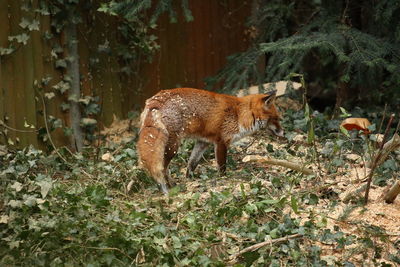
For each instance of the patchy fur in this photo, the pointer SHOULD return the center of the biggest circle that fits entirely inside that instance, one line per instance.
(209, 117)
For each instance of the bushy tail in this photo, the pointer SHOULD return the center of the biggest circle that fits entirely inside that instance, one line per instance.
(151, 145)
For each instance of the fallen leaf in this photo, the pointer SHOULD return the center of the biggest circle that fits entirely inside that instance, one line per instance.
(356, 124)
(107, 157)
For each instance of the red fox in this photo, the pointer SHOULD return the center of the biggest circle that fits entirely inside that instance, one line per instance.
(209, 117)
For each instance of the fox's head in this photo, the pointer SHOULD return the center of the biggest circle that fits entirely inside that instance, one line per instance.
(266, 114)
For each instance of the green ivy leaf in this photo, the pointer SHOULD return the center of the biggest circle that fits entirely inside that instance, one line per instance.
(30, 25)
(88, 121)
(45, 186)
(68, 131)
(17, 186)
(344, 131)
(30, 201)
(44, 11)
(130, 152)
(65, 106)
(34, 25)
(177, 242)
(49, 95)
(21, 38)
(45, 81)
(57, 123)
(344, 113)
(24, 23)
(4, 219)
(294, 204)
(6, 51)
(270, 201)
(15, 203)
(73, 98)
(14, 244)
(62, 86)
(61, 63)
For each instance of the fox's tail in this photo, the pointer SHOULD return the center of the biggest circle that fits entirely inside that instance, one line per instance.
(151, 145)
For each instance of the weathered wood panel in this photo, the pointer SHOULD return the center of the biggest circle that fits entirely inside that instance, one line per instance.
(15, 99)
(193, 51)
(190, 52)
(5, 69)
(28, 91)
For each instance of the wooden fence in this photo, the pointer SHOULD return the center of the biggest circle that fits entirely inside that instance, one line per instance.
(189, 52)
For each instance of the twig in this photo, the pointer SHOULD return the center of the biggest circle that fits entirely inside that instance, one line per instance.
(17, 130)
(87, 174)
(377, 158)
(317, 157)
(383, 119)
(397, 127)
(48, 130)
(283, 163)
(233, 236)
(232, 258)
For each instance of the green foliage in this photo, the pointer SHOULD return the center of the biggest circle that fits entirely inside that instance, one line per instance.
(133, 11)
(70, 221)
(80, 213)
(347, 42)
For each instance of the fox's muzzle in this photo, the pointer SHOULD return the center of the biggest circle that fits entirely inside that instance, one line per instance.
(276, 131)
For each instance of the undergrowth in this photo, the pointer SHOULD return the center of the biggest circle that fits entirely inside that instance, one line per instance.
(92, 211)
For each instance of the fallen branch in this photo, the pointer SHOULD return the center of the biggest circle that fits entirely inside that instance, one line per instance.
(282, 163)
(391, 195)
(263, 244)
(389, 146)
(353, 195)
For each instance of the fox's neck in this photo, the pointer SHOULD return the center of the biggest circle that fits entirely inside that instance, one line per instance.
(246, 118)
(246, 122)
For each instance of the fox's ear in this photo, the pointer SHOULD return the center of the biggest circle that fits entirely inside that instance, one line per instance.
(269, 98)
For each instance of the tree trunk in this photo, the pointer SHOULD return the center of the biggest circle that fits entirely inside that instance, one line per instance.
(75, 91)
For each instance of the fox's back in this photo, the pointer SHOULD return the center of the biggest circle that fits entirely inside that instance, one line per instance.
(187, 111)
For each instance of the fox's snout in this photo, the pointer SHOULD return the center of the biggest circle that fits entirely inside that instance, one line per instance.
(278, 131)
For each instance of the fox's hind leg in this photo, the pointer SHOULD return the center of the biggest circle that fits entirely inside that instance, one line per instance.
(151, 148)
(170, 151)
(199, 148)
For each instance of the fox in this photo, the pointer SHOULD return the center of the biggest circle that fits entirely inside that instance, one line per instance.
(208, 117)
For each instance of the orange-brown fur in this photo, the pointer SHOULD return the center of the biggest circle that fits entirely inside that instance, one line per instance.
(220, 119)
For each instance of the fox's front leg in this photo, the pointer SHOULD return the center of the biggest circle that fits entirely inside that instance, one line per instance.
(195, 156)
(220, 154)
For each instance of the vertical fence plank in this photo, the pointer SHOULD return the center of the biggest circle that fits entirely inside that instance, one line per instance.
(102, 76)
(4, 67)
(28, 93)
(16, 106)
(114, 70)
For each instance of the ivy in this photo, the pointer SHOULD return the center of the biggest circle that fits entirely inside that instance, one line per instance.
(133, 42)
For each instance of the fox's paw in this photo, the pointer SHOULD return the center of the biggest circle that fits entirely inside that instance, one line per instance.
(190, 175)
